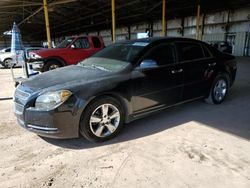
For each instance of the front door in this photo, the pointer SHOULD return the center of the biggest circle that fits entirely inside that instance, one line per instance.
(158, 86)
(79, 50)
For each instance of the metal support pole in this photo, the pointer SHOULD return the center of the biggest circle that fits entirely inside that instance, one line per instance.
(198, 21)
(163, 18)
(113, 20)
(46, 15)
(203, 26)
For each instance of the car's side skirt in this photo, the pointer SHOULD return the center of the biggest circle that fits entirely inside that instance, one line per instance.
(156, 109)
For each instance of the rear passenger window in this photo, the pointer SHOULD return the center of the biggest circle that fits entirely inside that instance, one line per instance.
(189, 51)
(96, 42)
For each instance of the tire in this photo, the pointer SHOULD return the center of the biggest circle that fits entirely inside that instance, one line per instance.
(7, 63)
(51, 65)
(219, 89)
(96, 126)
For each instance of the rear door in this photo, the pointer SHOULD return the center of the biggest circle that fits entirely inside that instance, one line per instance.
(160, 86)
(80, 49)
(196, 60)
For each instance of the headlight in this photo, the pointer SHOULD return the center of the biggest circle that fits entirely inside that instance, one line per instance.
(34, 55)
(51, 100)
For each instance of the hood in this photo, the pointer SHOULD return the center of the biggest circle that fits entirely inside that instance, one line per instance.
(48, 52)
(69, 75)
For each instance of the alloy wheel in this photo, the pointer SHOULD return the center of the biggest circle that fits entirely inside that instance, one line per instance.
(7, 63)
(220, 90)
(104, 120)
(53, 66)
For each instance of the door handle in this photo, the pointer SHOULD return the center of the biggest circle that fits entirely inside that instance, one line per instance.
(177, 71)
(212, 64)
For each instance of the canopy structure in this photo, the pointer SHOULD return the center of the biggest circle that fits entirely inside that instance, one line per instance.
(68, 17)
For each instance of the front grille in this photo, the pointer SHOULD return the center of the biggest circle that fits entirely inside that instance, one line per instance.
(18, 108)
(22, 95)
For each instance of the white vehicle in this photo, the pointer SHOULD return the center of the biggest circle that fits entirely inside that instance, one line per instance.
(6, 57)
(5, 50)
(17, 59)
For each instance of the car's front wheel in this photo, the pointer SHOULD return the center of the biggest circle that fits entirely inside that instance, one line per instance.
(219, 89)
(51, 65)
(102, 120)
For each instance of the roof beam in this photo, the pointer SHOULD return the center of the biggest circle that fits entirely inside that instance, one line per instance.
(97, 14)
(41, 8)
(20, 5)
(33, 14)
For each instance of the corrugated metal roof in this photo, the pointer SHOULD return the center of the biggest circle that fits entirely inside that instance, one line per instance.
(88, 15)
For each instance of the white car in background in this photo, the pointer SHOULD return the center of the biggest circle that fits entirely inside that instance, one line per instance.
(6, 57)
(17, 59)
(4, 50)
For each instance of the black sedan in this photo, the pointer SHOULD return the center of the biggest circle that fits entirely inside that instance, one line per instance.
(121, 83)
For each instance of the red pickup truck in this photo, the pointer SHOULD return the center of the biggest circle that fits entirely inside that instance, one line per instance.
(70, 51)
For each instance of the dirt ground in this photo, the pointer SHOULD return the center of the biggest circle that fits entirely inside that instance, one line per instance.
(193, 145)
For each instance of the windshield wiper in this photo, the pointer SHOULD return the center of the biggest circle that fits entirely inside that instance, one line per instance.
(94, 66)
(101, 68)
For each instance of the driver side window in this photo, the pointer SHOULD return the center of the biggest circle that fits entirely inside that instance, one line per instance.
(82, 43)
(162, 55)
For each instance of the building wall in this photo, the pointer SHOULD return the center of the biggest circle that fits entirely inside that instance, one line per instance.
(6, 42)
(216, 27)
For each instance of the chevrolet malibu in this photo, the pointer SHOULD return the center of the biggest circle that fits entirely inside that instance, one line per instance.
(121, 83)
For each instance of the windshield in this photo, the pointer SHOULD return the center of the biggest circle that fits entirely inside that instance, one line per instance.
(115, 57)
(65, 43)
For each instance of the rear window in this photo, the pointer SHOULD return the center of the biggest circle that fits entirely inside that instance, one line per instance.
(96, 42)
(189, 51)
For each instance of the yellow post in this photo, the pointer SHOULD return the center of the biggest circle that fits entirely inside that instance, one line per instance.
(113, 20)
(46, 15)
(198, 21)
(163, 18)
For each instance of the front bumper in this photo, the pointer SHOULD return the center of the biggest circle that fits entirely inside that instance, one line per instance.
(62, 122)
(40, 130)
(37, 64)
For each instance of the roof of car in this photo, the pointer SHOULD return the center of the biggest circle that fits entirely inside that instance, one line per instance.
(74, 36)
(155, 39)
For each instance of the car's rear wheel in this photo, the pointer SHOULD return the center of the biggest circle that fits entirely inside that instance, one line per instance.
(219, 89)
(51, 65)
(102, 120)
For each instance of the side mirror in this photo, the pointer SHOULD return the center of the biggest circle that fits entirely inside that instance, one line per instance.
(148, 63)
(73, 46)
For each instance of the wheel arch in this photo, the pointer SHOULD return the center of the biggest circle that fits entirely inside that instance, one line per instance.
(7, 58)
(122, 100)
(223, 69)
(219, 70)
(56, 58)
